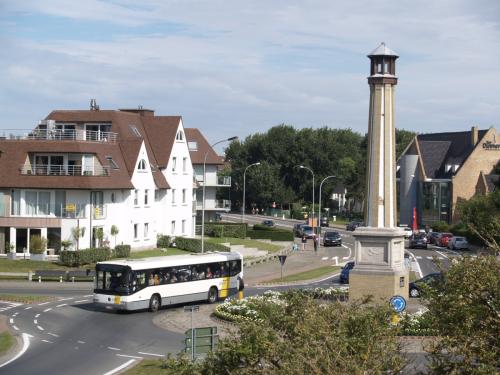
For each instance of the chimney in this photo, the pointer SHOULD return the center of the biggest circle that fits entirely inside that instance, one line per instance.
(474, 135)
(93, 105)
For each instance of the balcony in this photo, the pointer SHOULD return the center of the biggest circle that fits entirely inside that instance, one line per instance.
(99, 212)
(61, 135)
(63, 170)
(64, 211)
(211, 205)
(217, 181)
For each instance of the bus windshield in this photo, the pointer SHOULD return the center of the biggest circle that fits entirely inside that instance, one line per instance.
(112, 279)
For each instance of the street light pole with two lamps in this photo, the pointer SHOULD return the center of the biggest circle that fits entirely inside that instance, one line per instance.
(319, 202)
(244, 185)
(203, 195)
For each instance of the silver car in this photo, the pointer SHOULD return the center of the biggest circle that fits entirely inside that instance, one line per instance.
(456, 243)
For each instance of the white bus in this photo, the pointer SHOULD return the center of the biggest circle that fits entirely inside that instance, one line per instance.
(134, 284)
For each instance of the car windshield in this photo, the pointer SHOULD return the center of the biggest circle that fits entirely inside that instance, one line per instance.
(331, 234)
(113, 279)
(307, 229)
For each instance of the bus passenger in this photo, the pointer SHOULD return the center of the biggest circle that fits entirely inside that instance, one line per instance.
(223, 271)
(209, 274)
(151, 281)
(157, 279)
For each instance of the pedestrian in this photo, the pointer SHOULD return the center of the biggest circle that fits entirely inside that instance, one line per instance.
(304, 241)
(315, 239)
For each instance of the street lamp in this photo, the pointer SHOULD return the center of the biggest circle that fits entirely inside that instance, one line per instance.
(244, 184)
(203, 195)
(319, 202)
(310, 170)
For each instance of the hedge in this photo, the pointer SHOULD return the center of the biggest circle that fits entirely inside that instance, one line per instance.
(86, 256)
(163, 241)
(234, 230)
(194, 245)
(273, 235)
(121, 251)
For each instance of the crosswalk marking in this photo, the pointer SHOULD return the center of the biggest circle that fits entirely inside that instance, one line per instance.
(418, 257)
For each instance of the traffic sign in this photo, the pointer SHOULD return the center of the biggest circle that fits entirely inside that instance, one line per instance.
(398, 303)
(282, 259)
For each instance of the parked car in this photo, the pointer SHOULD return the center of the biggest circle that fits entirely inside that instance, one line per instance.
(307, 231)
(297, 229)
(444, 238)
(433, 238)
(324, 222)
(332, 239)
(432, 279)
(456, 243)
(418, 240)
(268, 223)
(353, 225)
(344, 273)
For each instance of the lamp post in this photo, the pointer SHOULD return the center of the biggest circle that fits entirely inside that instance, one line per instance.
(310, 170)
(203, 195)
(244, 185)
(319, 202)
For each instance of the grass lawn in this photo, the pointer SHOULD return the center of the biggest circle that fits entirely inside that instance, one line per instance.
(147, 367)
(157, 253)
(23, 265)
(6, 341)
(25, 298)
(308, 275)
(246, 242)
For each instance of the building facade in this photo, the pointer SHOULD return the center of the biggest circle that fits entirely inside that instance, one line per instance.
(438, 171)
(81, 172)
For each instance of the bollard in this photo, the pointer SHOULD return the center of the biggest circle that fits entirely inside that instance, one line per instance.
(73, 279)
(60, 279)
(336, 259)
(30, 275)
(39, 279)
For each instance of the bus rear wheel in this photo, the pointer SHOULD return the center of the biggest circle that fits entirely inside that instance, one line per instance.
(154, 303)
(213, 295)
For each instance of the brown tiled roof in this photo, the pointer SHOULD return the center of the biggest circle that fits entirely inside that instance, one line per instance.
(161, 131)
(198, 156)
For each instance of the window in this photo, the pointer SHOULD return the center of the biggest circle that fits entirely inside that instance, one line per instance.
(146, 230)
(183, 226)
(136, 231)
(193, 146)
(146, 197)
(111, 162)
(179, 136)
(37, 202)
(113, 198)
(136, 197)
(157, 195)
(183, 196)
(184, 165)
(174, 164)
(134, 130)
(173, 196)
(142, 165)
(15, 208)
(172, 227)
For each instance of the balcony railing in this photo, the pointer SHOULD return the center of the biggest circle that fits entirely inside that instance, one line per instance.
(223, 204)
(222, 181)
(65, 211)
(63, 170)
(61, 135)
(99, 212)
(220, 204)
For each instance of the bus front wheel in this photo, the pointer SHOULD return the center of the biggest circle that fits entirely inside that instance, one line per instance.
(213, 295)
(154, 303)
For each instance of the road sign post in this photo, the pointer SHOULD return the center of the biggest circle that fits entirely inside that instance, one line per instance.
(192, 308)
(282, 259)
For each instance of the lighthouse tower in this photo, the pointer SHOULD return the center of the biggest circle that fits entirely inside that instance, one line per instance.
(379, 247)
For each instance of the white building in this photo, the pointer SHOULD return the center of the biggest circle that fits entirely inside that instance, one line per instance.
(94, 169)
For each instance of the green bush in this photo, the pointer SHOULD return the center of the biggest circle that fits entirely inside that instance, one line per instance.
(38, 244)
(234, 230)
(163, 241)
(273, 234)
(440, 226)
(460, 229)
(194, 245)
(86, 256)
(121, 251)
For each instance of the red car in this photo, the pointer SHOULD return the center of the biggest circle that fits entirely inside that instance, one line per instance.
(444, 238)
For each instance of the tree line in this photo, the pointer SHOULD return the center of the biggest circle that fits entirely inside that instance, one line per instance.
(282, 149)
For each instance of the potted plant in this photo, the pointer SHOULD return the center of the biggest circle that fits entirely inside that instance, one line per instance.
(114, 232)
(12, 250)
(77, 232)
(38, 247)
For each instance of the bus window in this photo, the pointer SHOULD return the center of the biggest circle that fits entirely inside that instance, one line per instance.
(198, 271)
(138, 280)
(234, 267)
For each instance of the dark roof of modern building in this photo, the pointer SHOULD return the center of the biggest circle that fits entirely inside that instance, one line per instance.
(492, 181)
(202, 147)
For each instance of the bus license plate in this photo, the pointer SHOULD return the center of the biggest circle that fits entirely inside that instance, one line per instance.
(117, 300)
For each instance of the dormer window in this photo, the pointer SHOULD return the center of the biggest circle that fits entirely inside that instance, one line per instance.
(134, 130)
(179, 136)
(193, 146)
(142, 165)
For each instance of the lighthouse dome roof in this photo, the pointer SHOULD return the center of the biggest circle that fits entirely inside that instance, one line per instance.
(382, 49)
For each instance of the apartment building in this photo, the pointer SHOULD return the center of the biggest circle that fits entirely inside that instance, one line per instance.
(84, 171)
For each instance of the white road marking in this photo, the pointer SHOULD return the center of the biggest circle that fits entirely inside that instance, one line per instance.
(61, 305)
(156, 355)
(66, 299)
(81, 342)
(89, 295)
(44, 303)
(440, 253)
(418, 257)
(83, 300)
(27, 308)
(26, 345)
(50, 308)
(52, 334)
(128, 356)
(11, 321)
(15, 327)
(350, 253)
(419, 270)
(430, 258)
(35, 321)
(112, 348)
(324, 258)
(47, 341)
(15, 314)
(40, 328)
(119, 368)
(37, 315)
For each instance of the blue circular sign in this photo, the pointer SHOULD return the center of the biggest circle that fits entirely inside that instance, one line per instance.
(398, 303)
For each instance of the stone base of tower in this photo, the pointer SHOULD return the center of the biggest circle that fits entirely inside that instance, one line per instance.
(379, 268)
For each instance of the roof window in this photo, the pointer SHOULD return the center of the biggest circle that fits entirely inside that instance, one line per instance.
(193, 146)
(134, 130)
(111, 162)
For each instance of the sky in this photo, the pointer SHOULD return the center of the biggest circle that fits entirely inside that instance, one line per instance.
(235, 68)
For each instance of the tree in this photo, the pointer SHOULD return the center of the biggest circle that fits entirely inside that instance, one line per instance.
(403, 139)
(481, 215)
(465, 310)
(305, 336)
(99, 235)
(114, 232)
(76, 233)
(38, 244)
